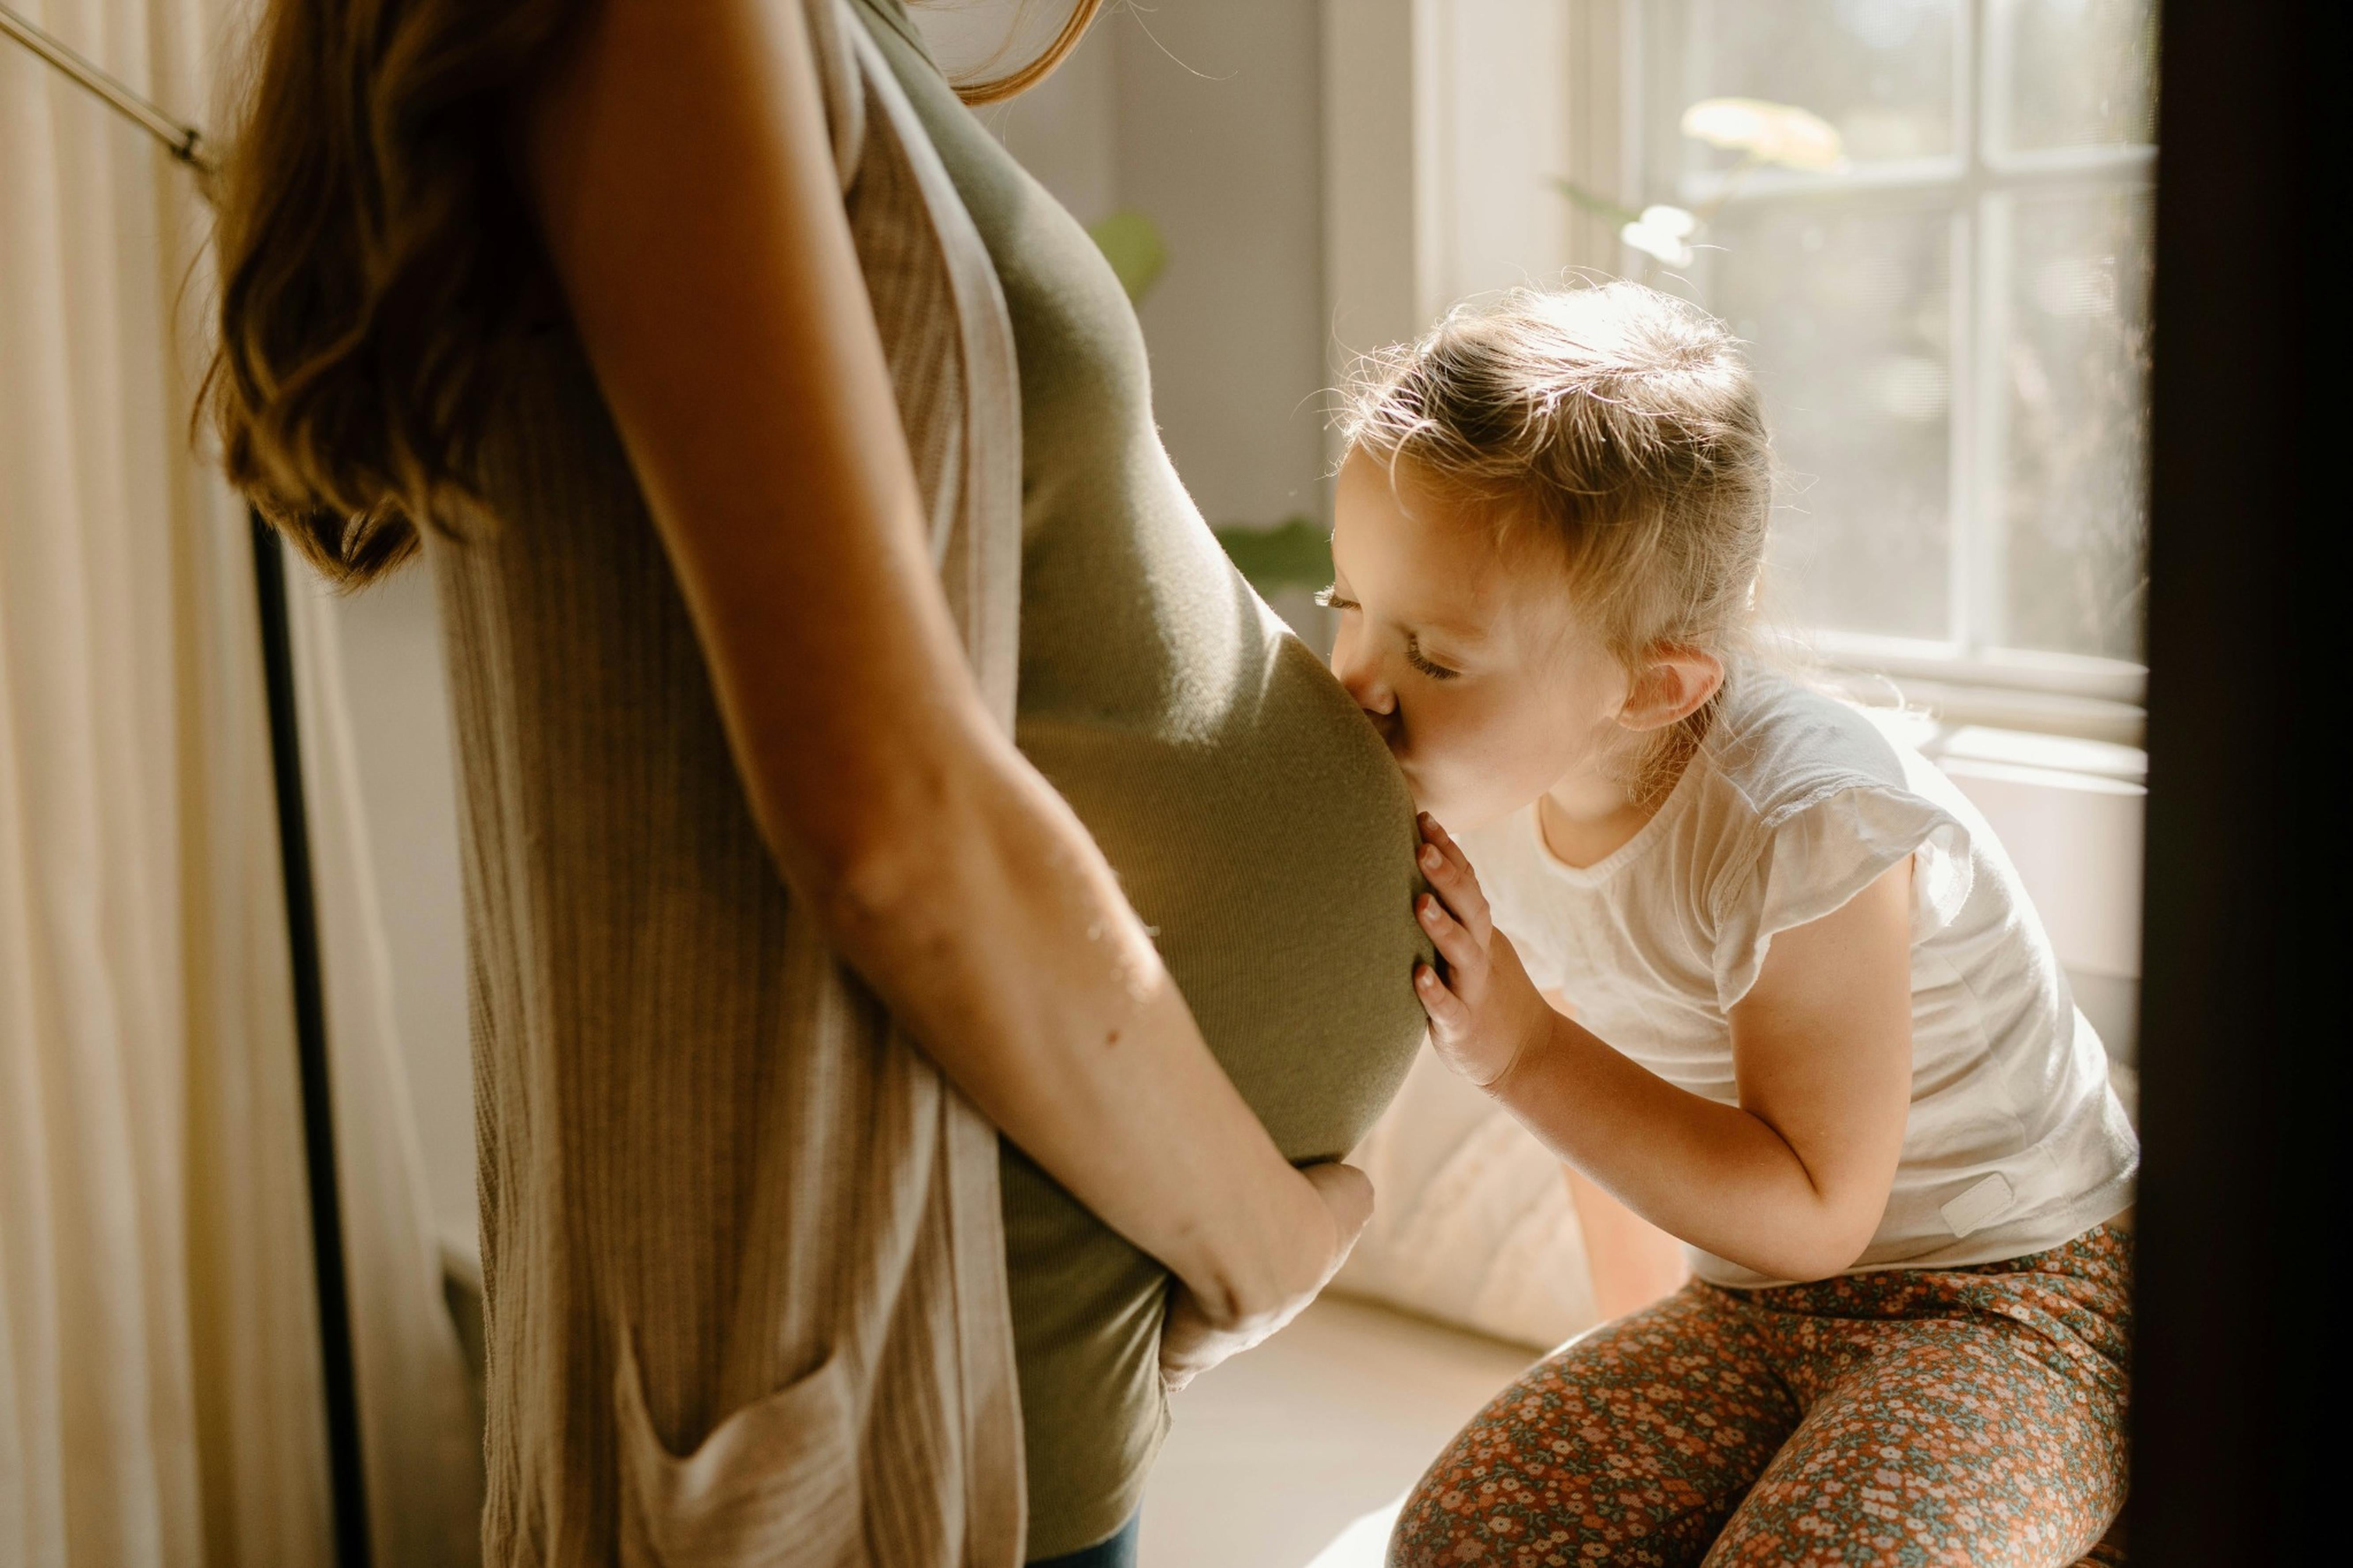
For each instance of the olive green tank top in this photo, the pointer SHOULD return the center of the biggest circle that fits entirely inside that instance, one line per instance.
(1253, 817)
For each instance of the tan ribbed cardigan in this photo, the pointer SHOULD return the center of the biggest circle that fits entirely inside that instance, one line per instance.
(744, 1263)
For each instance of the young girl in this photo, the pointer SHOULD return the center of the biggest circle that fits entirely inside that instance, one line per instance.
(1755, 970)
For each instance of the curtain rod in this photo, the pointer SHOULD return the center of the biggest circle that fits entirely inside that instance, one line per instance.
(183, 141)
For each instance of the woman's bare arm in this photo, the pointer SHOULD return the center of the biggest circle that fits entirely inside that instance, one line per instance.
(680, 169)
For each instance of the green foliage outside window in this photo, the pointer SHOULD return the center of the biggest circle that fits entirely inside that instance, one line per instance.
(1295, 553)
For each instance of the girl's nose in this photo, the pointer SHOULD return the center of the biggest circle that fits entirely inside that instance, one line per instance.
(1362, 677)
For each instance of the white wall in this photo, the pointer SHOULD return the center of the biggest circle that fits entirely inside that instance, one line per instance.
(1220, 130)
(1065, 130)
(1206, 116)
(400, 722)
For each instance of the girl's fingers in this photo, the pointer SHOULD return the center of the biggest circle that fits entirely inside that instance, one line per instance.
(1448, 1016)
(1449, 870)
(1436, 833)
(1461, 950)
(1444, 870)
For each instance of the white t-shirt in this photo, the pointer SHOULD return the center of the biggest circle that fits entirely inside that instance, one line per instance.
(1795, 802)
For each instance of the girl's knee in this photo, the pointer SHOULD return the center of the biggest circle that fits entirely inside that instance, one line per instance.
(1475, 1505)
(1425, 1536)
(1441, 1522)
(1627, 1448)
(1503, 1497)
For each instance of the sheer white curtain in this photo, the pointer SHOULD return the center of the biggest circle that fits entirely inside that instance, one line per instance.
(160, 1399)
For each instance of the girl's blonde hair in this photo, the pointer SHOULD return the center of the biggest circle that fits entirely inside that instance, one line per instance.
(1619, 422)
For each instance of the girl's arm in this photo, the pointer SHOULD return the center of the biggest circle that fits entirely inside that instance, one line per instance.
(1631, 1262)
(679, 166)
(1792, 1181)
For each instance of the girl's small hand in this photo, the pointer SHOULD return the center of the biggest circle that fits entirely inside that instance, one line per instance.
(1484, 1012)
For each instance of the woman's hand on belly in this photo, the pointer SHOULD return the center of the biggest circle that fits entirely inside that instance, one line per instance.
(1193, 1340)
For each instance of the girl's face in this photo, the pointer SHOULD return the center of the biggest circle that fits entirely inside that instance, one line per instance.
(1466, 652)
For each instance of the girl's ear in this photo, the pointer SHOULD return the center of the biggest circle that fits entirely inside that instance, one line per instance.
(1671, 686)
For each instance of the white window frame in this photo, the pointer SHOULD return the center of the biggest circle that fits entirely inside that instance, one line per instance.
(1407, 195)
(1974, 670)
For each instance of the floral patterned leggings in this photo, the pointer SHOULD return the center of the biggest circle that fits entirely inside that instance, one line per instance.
(1962, 1415)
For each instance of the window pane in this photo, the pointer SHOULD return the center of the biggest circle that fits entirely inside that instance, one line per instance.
(2080, 72)
(1879, 70)
(2076, 370)
(1847, 314)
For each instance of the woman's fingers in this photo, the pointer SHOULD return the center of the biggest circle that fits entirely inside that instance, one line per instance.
(1189, 1343)
(1347, 1192)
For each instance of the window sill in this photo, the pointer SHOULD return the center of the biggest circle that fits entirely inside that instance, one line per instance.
(2093, 699)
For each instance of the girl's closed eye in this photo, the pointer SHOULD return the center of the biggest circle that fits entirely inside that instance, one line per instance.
(1331, 598)
(1422, 662)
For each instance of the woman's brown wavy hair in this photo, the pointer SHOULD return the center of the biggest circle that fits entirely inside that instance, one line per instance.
(375, 258)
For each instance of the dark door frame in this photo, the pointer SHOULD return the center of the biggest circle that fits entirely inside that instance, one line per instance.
(2227, 1366)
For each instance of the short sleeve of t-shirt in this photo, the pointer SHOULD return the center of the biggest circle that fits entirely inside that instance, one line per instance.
(1808, 858)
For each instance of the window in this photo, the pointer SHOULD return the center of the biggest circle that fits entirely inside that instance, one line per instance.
(1945, 296)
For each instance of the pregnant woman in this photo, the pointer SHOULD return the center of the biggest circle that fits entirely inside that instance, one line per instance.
(728, 372)
(1254, 820)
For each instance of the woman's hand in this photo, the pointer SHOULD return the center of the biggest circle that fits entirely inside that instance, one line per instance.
(1484, 1012)
(1192, 1340)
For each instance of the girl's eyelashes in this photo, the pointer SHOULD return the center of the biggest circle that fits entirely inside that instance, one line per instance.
(1414, 657)
(1331, 598)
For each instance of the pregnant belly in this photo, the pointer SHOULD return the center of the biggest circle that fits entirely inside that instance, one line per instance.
(1271, 852)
